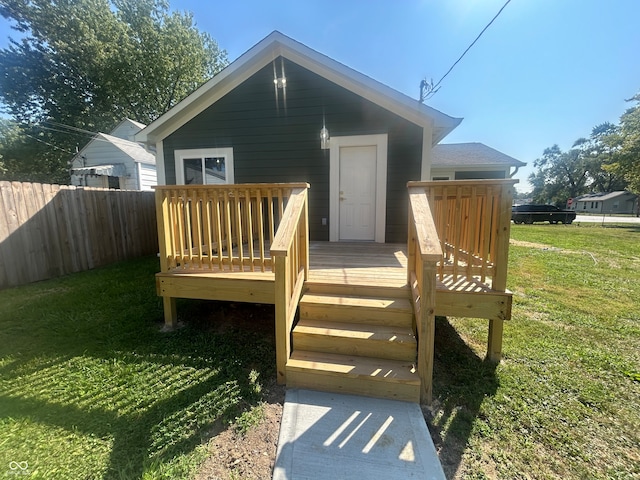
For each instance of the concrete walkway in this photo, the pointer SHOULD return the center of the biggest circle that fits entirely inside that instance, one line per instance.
(334, 436)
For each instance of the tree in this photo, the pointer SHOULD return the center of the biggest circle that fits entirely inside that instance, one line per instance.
(559, 176)
(598, 151)
(90, 63)
(626, 146)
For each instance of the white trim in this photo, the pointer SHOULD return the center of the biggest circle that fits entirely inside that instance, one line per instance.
(180, 155)
(380, 141)
(274, 45)
(161, 175)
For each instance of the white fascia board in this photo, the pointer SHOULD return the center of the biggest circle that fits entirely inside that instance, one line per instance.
(267, 50)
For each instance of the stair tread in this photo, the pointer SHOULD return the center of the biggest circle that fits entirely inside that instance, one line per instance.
(355, 330)
(398, 304)
(395, 371)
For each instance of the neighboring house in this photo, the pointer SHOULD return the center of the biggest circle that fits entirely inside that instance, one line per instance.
(615, 202)
(115, 160)
(471, 161)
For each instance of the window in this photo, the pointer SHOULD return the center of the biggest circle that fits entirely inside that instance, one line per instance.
(206, 166)
(440, 178)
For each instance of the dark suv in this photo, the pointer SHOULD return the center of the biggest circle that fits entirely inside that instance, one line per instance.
(541, 213)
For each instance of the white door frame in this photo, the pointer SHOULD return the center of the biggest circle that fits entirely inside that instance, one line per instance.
(380, 141)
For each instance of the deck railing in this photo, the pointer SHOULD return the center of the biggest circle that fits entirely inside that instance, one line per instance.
(290, 251)
(472, 219)
(424, 253)
(219, 227)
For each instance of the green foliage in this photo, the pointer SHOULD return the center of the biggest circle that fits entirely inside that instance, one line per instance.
(626, 161)
(91, 63)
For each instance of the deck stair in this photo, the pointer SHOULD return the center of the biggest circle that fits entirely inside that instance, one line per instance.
(358, 340)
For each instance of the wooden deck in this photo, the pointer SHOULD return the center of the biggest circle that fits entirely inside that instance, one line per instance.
(349, 317)
(349, 266)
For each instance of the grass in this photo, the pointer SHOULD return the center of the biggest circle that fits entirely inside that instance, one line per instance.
(90, 388)
(565, 400)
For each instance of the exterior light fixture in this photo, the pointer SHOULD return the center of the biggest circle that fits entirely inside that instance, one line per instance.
(324, 138)
(280, 82)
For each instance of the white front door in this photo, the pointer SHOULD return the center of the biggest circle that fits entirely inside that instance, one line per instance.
(357, 209)
(358, 188)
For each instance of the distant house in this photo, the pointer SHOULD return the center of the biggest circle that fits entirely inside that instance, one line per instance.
(471, 161)
(115, 160)
(622, 202)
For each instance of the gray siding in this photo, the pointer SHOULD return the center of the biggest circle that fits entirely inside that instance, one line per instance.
(274, 142)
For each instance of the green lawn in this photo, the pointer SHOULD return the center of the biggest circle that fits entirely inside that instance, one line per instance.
(565, 401)
(90, 388)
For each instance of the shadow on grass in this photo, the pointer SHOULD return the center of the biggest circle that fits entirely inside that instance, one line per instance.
(461, 382)
(102, 368)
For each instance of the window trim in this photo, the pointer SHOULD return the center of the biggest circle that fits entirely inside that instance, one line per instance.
(226, 152)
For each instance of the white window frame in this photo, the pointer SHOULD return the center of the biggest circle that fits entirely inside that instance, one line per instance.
(226, 152)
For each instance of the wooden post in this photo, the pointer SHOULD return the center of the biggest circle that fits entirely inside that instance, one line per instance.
(304, 232)
(502, 230)
(427, 331)
(283, 342)
(494, 342)
(164, 227)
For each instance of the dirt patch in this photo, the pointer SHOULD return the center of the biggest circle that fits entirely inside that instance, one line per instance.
(251, 455)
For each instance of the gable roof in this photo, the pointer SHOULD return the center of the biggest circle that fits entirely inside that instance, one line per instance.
(603, 196)
(133, 150)
(471, 154)
(271, 47)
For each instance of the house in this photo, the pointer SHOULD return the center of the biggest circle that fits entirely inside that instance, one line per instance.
(467, 161)
(291, 179)
(621, 202)
(115, 160)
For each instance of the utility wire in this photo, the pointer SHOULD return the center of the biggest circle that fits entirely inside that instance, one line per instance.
(49, 144)
(432, 89)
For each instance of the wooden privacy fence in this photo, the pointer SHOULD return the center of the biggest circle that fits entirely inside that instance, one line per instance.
(52, 230)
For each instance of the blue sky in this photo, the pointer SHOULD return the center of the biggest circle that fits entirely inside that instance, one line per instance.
(545, 72)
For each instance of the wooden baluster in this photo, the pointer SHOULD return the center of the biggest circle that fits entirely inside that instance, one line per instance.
(249, 213)
(457, 226)
(181, 228)
(196, 208)
(473, 200)
(486, 241)
(207, 227)
(238, 219)
(260, 214)
(271, 219)
(219, 228)
(229, 239)
(173, 224)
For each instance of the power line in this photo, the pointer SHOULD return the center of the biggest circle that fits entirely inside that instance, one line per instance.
(431, 88)
(49, 144)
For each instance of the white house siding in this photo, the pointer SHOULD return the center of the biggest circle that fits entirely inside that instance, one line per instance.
(148, 177)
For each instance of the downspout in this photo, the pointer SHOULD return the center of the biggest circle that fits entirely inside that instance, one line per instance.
(514, 172)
